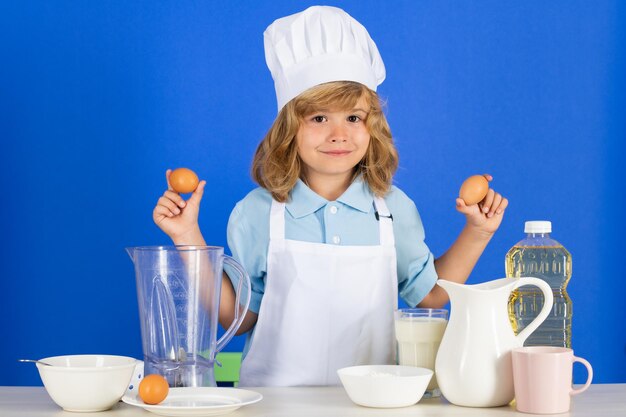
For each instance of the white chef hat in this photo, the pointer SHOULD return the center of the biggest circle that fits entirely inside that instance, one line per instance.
(319, 45)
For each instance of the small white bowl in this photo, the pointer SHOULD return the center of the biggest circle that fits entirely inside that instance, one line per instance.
(86, 383)
(385, 386)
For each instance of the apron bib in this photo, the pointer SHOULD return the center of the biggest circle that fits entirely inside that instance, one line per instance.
(325, 307)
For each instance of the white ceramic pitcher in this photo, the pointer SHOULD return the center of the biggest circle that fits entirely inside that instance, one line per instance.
(473, 364)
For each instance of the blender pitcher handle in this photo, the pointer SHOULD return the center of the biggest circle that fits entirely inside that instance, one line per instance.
(240, 312)
(548, 300)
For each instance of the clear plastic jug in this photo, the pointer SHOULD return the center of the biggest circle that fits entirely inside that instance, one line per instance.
(178, 292)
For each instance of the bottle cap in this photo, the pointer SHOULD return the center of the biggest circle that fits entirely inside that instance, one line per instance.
(538, 226)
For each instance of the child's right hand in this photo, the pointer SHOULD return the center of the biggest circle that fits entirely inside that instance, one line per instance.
(175, 216)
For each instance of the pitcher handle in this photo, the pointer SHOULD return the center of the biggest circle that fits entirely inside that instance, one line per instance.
(240, 313)
(547, 305)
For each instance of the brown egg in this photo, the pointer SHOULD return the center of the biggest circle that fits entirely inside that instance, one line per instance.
(153, 389)
(474, 189)
(183, 180)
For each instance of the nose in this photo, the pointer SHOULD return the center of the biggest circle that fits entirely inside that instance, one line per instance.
(338, 133)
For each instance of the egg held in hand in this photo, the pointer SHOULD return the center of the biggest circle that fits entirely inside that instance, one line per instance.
(474, 189)
(153, 389)
(183, 180)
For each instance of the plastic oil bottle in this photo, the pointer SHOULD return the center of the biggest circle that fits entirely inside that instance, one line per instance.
(540, 256)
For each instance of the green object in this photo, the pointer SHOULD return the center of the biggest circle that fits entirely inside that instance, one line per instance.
(229, 371)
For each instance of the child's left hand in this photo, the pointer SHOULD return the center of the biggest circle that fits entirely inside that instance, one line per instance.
(486, 215)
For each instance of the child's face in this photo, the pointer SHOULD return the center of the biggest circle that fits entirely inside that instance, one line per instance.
(332, 142)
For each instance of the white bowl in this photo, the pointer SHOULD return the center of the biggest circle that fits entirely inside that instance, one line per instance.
(86, 382)
(385, 386)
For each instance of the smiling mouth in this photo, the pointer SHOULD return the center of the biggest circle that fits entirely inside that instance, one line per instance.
(336, 153)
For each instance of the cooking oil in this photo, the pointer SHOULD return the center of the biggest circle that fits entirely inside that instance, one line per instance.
(540, 256)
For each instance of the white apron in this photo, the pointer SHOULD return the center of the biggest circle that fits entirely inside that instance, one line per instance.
(325, 307)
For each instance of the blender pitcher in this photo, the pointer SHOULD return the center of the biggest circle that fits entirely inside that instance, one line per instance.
(178, 292)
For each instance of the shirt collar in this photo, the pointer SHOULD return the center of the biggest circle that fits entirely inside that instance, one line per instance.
(358, 196)
(304, 201)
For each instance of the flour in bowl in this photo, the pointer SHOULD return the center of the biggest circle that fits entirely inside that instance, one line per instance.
(380, 374)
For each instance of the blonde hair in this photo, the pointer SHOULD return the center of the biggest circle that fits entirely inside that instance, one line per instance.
(277, 166)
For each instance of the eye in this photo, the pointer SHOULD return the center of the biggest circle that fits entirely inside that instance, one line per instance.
(354, 119)
(318, 119)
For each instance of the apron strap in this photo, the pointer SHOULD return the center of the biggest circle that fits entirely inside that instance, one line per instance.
(277, 220)
(385, 222)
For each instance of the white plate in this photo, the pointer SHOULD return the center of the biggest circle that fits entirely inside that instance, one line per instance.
(201, 401)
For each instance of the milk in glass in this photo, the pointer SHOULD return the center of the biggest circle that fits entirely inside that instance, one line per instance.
(418, 340)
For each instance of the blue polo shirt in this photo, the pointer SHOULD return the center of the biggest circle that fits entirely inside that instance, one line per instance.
(349, 220)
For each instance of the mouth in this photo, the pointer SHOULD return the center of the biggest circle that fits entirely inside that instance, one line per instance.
(337, 152)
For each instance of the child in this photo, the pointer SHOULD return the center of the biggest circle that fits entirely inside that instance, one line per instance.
(328, 242)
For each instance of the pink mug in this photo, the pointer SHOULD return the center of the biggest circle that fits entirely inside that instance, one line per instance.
(542, 377)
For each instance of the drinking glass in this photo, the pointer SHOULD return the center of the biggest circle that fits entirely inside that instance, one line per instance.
(419, 332)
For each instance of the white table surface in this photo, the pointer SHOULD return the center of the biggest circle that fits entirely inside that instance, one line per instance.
(598, 400)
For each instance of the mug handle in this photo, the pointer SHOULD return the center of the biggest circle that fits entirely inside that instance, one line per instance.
(589, 375)
(545, 310)
(240, 311)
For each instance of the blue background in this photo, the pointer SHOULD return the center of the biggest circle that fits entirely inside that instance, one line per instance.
(98, 99)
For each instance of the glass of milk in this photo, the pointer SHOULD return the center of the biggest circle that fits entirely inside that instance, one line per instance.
(419, 332)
